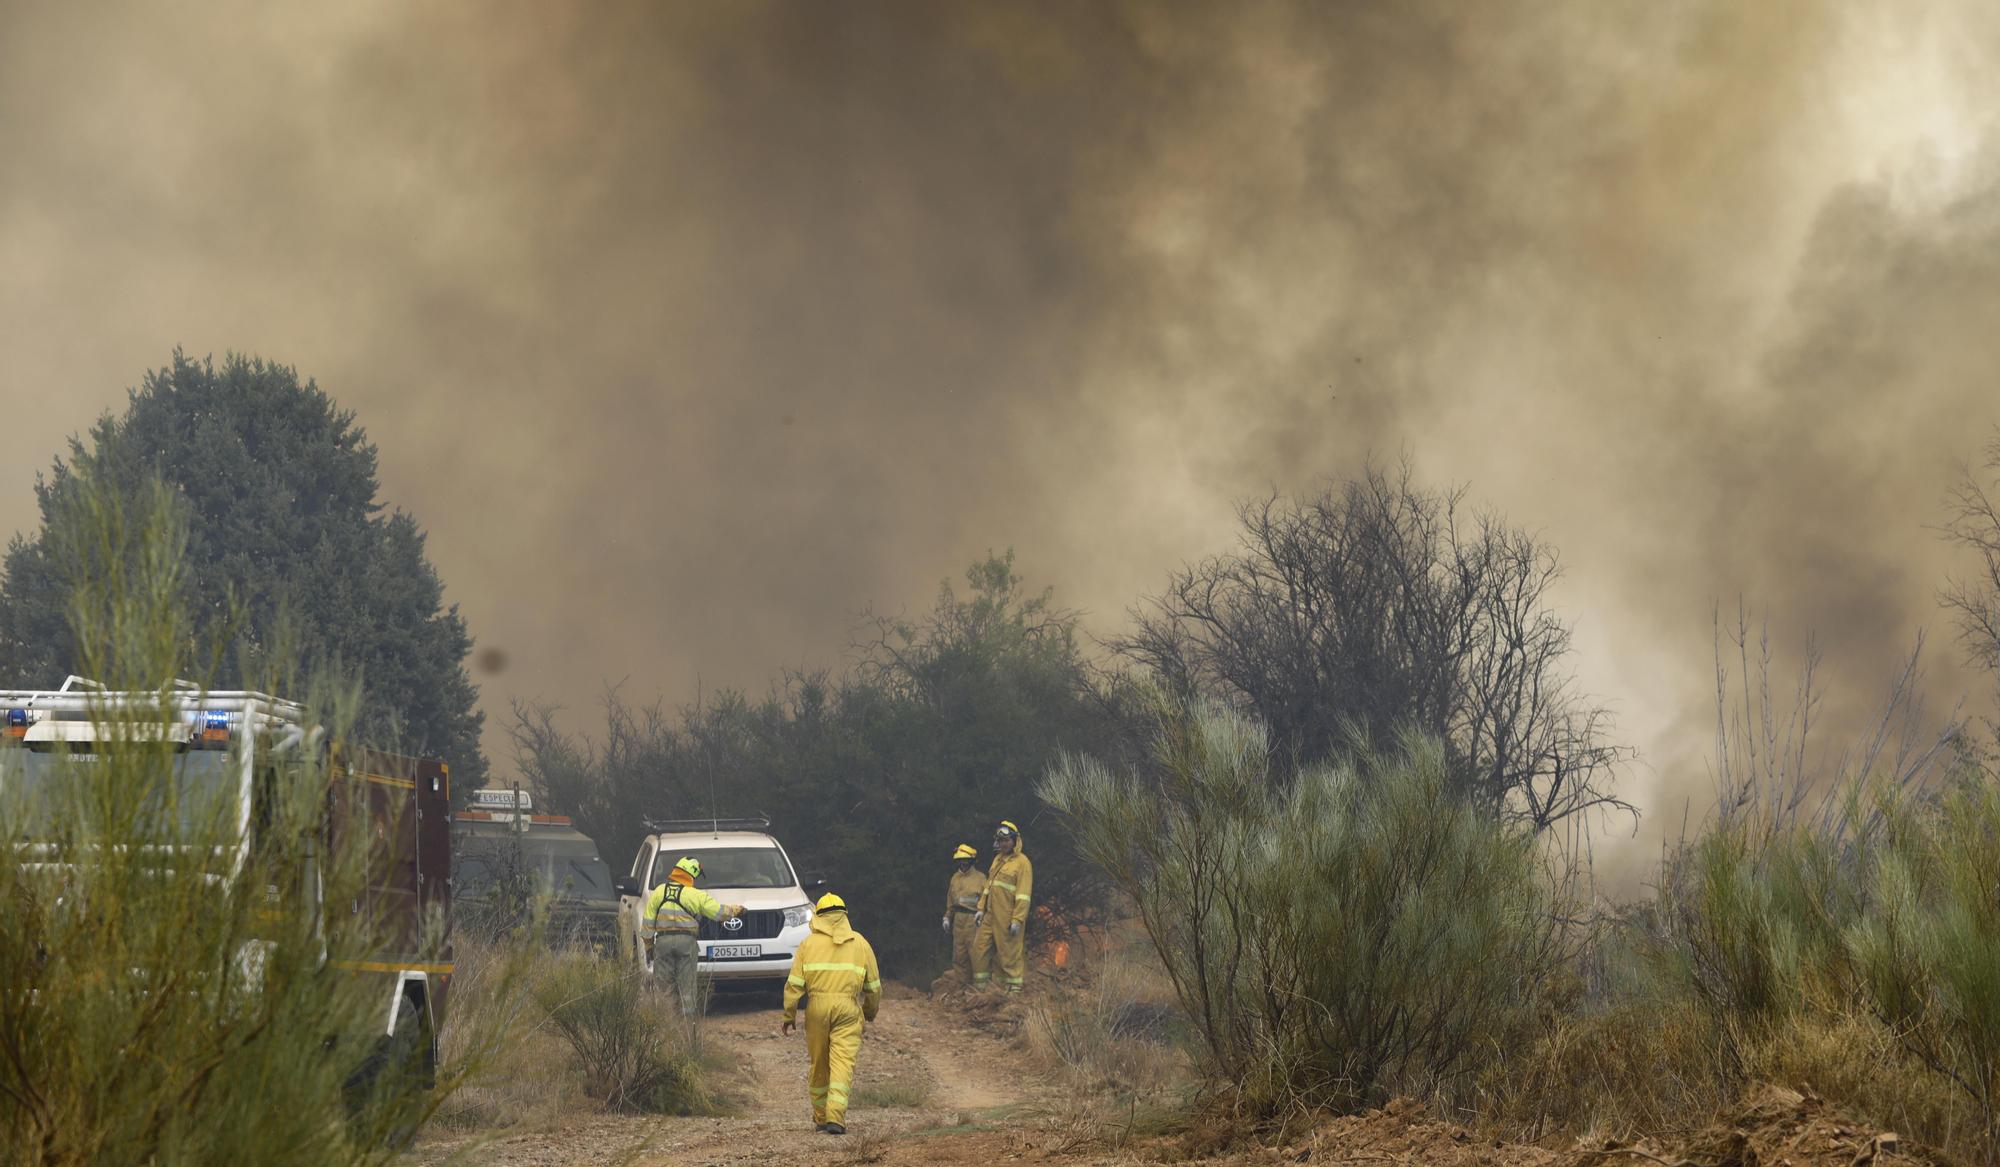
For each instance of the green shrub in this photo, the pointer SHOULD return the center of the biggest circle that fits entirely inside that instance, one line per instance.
(1833, 925)
(1925, 952)
(628, 1040)
(1362, 932)
(1751, 922)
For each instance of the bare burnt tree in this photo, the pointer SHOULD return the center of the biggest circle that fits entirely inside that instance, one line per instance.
(1376, 606)
(1973, 522)
(645, 764)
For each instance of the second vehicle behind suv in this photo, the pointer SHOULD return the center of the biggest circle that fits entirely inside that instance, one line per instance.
(740, 864)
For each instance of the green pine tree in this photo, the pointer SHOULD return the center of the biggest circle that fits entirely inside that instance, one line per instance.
(285, 537)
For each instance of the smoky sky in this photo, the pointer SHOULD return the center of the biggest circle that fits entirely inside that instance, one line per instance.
(689, 330)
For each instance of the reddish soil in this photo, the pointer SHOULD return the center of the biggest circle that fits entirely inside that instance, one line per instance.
(1773, 1127)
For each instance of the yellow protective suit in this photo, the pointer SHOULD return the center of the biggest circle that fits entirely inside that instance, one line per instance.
(1003, 931)
(961, 900)
(835, 971)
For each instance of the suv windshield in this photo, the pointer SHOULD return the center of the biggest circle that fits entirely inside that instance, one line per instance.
(202, 793)
(568, 868)
(730, 866)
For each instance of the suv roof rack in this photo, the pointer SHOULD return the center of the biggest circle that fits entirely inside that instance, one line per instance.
(713, 826)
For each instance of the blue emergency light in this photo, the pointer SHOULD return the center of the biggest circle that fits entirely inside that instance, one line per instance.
(211, 729)
(17, 717)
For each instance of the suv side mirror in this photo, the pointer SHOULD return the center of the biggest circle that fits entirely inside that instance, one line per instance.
(626, 886)
(813, 882)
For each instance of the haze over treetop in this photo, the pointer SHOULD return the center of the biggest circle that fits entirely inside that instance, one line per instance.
(688, 331)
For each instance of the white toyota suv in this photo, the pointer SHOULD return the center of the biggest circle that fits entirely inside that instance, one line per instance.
(740, 864)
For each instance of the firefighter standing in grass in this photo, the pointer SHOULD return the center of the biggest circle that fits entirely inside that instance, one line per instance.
(1002, 919)
(835, 971)
(671, 917)
(961, 902)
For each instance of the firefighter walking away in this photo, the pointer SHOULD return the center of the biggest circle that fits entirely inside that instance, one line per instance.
(672, 916)
(835, 971)
(1002, 919)
(961, 903)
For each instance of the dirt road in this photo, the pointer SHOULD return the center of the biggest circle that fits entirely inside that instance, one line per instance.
(929, 1088)
(936, 1086)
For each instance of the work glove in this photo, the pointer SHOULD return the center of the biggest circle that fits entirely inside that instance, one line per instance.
(1014, 929)
(946, 922)
(788, 1027)
(978, 917)
(731, 911)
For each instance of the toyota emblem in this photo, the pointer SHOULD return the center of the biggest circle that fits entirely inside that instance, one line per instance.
(733, 923)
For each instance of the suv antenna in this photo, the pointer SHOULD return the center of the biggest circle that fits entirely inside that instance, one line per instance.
(708, 763)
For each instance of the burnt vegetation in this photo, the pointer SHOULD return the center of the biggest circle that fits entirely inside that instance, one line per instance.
(1376, 606)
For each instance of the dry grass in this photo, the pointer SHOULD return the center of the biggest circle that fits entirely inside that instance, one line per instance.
(1856, 1063)
(1114, 1043)
(538, 1079)
(531, 1083)
(866, 1147)
(1664, 1068)
(1609, 1073)
(1119, 1030)
(911, 1090)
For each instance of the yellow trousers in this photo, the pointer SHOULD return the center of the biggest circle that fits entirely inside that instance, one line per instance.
(833, 1037)
(1012, 952)
(962, 932)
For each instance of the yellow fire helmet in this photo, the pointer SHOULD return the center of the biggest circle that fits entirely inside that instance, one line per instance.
(691, 865)
(1006, 830)
(829, 903)
(965, 851)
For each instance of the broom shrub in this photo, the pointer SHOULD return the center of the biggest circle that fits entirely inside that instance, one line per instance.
(1359, 932)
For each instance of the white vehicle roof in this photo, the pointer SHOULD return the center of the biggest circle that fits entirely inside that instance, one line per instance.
(80, 700)
(696, 840)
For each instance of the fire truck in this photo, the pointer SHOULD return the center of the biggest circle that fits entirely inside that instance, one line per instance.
(231, 750)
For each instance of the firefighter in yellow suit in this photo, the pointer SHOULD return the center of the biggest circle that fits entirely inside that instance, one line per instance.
(961, 901)
(835, 971)
(1002, 919)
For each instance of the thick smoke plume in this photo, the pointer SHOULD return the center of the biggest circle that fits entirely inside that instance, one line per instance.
(688, 329)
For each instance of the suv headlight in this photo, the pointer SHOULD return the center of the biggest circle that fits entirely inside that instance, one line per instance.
(794, 917)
